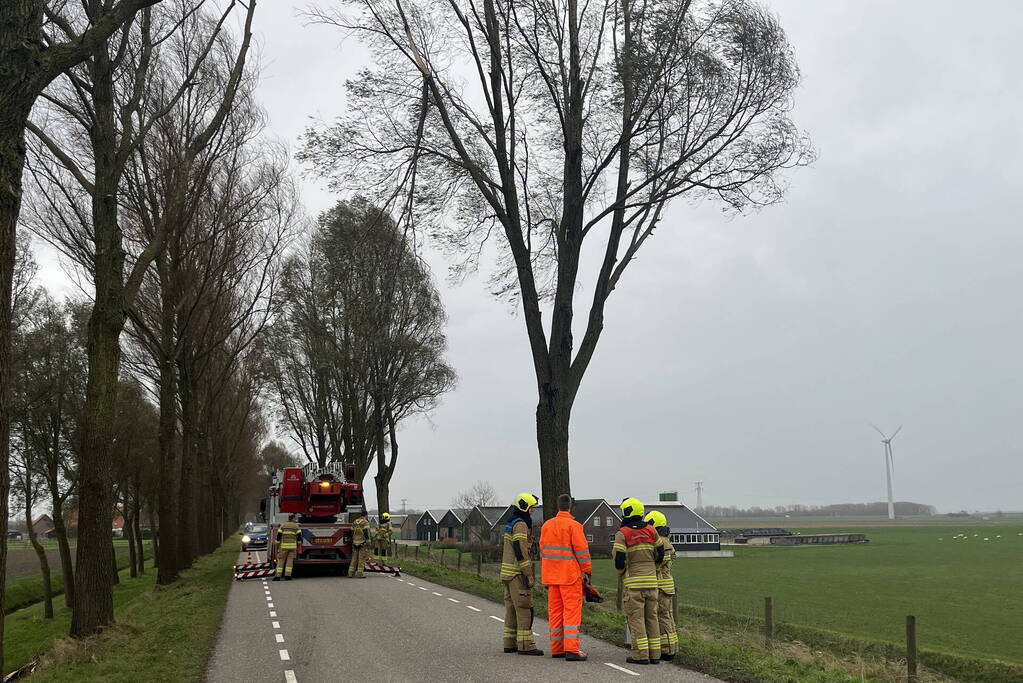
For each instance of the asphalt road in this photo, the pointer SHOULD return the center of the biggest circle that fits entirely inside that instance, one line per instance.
(325, 629)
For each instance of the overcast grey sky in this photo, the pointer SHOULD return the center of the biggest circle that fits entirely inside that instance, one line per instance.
(751, 353)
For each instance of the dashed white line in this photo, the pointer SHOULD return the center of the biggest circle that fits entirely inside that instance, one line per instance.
(275, 624)
(279, 637)
(452, 600)
(422, 588)
(621, 668)
(437, 594)
(496, 618)
(289, 677)
(269, 604)
(474, 609)
(273, 614)
(284, 655)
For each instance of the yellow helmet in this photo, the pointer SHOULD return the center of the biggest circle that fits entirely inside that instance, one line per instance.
(656, 518)
(386, 515)
(524, 501)
(632, 507)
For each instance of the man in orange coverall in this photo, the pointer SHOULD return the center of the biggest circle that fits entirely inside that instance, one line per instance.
(564, 561)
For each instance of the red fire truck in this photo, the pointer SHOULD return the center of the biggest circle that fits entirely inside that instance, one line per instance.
(323, 500)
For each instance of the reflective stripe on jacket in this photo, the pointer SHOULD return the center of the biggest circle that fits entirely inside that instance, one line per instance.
(289, 533)
(360, 531)
(564, 552)
(511, 566)
(639, 546)
(665, 580)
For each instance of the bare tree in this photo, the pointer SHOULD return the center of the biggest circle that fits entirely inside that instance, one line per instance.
(31, 56)
(49, 388)
(116, 98)
(550, 126)
(360, 345)
(481, 493)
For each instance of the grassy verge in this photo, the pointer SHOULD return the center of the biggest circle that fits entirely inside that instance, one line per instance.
(28, 590)
(728, 661)
(161, 634)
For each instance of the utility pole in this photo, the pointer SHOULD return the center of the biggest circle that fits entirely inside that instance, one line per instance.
(403, 505)
(699, 494)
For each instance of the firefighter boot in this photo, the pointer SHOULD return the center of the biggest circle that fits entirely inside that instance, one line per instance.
(576, 656)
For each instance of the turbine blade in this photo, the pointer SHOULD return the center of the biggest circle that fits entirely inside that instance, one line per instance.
(897, 431)
(878, 430)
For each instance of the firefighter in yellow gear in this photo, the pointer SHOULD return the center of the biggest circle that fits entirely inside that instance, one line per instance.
(637, 555)
(384, 534)
(517, 576)
(665, 588)
(288, 535)
(360, 539)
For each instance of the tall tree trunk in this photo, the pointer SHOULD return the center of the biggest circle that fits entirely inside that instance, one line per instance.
(385, 466)
(186, 487)
(115, 576)
(94, 598)
(13, 117)
(552, 420)
(154, 533)
(170, 465)
(44, 563)
(67, 567)
(136, 536)
(128, 531)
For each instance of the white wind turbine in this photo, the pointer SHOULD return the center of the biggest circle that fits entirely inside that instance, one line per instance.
(889, 464)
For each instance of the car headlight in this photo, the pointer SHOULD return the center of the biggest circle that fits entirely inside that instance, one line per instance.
(246, 539)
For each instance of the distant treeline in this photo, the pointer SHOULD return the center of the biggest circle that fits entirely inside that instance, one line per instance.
(902, 509)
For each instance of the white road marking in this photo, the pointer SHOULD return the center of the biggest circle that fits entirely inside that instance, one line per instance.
(289, 677)
(279, 637)
(437, 594)
(273, 614)
(284, 655)
(621, 668)
(474, 609)
(275, 624)
(497, 618)
(268, 598)
(422, 588)
(452, 600)
(269, 604)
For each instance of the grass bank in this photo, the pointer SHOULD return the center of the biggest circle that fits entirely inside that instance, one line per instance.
(28, 590)
(161, 634)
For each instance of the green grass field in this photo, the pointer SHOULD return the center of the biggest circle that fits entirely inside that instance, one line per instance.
(967, 595)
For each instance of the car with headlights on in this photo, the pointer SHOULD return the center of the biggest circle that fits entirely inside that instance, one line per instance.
(255, 537)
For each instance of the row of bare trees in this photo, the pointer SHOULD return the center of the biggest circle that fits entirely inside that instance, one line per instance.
(359, 345)
(135, 127)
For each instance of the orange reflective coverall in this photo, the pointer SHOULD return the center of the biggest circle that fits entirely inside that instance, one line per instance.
(564, 558)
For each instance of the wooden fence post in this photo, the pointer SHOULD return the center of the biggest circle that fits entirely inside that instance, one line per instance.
(479, 563)
(768, 621)
(442, 557)
(911, 674)
(459, 560)
(417, 552)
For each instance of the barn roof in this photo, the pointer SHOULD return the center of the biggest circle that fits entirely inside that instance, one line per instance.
(492, 513)
(436, 515)
(682, 519)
